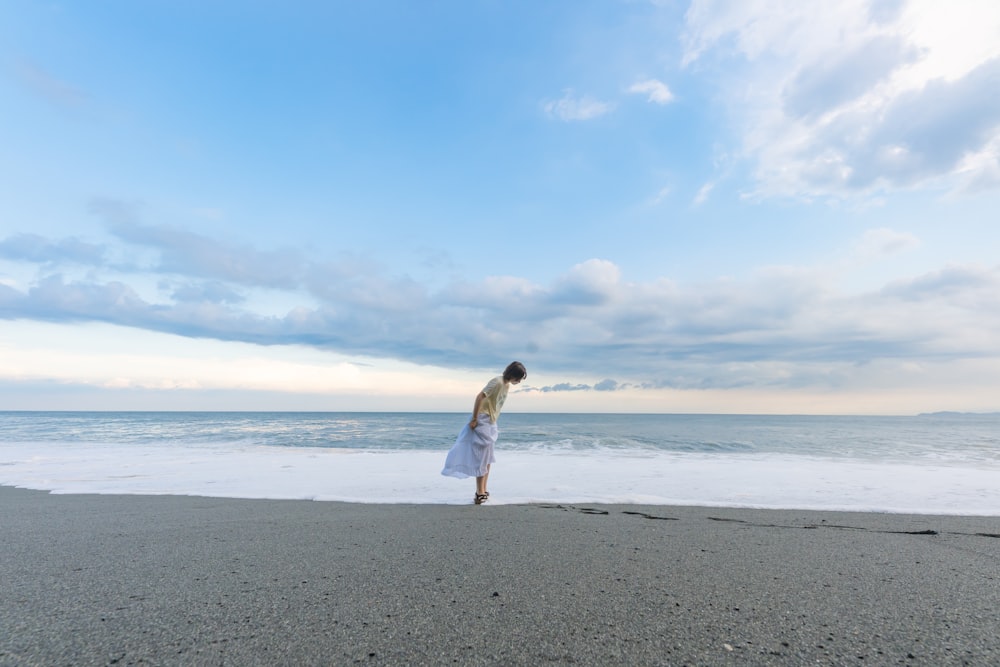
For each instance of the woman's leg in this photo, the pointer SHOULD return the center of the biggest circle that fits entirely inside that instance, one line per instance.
(481, 482)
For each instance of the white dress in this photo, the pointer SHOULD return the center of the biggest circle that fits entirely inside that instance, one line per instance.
(472, 452)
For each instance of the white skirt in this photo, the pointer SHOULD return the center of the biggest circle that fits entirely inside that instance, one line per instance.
(472, 452)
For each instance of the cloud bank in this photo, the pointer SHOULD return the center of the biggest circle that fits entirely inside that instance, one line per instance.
(784, 326)
(571, 107)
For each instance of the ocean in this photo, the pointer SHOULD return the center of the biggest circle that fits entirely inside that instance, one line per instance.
(928, 464)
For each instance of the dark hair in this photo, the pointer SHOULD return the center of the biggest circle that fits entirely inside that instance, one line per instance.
(515, 371)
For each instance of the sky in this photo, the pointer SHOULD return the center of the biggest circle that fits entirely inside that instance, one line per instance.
(658, 206)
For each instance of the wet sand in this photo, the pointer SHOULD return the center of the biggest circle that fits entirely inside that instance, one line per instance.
(173, 580)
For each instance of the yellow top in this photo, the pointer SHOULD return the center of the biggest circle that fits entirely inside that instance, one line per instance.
(496, 394)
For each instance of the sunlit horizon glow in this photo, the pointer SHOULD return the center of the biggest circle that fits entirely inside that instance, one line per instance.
(695, 207)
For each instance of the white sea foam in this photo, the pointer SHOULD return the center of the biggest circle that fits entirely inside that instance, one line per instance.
(620, 476)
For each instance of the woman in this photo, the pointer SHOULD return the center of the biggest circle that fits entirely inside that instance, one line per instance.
(472, 452)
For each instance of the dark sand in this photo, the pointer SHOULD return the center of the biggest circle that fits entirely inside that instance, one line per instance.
(95, 580)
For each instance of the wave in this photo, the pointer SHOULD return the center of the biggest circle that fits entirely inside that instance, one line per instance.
(594, 476)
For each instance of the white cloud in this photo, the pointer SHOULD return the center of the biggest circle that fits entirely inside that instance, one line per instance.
(883, 241)
(183, 252)
(980, 170)
(590, 282)
(703, 192)
(856, 97)
(661, 195)
(570, 107)
(34, 248)
(656, 91)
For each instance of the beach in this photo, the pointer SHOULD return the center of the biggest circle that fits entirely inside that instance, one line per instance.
(172, 580)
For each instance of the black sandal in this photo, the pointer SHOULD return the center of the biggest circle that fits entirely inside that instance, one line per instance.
(481, 498)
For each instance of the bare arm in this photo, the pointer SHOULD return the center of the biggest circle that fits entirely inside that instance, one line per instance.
(480, 397)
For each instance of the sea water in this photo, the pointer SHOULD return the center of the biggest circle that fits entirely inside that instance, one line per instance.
(931, 464)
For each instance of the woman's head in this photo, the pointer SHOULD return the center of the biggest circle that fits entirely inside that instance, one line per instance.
(515, 372)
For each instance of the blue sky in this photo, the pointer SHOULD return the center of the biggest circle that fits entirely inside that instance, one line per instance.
(657, 206)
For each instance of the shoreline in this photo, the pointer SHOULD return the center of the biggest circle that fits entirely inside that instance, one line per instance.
(583, 506)
(95, 579)
(499, 502)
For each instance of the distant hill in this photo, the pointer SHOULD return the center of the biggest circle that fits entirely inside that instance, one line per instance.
(948, 413)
